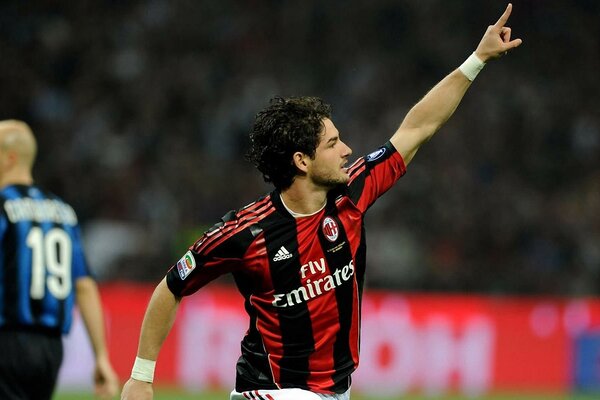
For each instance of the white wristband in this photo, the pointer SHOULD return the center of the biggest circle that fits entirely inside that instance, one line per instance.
(143, 370)
(471, 67)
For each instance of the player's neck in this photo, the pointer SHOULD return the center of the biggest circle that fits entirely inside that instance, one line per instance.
(16, 178)
(301, 199)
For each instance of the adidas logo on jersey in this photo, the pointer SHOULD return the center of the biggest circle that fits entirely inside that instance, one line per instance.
(282, 254)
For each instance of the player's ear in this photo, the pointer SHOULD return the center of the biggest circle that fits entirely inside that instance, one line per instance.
(13, 158)
(300, 161)
(9, 159)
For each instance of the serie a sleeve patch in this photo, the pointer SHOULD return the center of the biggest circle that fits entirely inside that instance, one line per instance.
(186, 265)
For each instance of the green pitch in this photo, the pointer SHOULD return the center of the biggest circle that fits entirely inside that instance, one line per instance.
(162, 394)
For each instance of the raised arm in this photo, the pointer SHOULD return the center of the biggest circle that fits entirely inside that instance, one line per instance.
(158, 321)
(438, 105)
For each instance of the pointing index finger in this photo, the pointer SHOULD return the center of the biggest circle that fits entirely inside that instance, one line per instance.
(504, 17)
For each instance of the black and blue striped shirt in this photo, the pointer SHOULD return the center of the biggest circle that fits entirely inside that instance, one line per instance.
(41, 257)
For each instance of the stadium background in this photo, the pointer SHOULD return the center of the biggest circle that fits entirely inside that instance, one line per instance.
(142, 108)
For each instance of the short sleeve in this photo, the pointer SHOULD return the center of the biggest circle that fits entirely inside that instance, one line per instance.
(374, 174)
(219, 251)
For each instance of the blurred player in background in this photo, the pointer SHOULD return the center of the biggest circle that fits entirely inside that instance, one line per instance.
(298, 254)
(43, 272)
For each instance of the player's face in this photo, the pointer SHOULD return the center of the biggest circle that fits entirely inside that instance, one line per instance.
(328, 166)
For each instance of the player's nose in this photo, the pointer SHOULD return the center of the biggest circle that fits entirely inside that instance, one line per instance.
(347, 151)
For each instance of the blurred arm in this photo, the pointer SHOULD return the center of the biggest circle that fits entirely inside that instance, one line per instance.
(90, 307)
(438, 105)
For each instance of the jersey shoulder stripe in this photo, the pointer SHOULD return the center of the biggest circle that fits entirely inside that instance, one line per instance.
(232, 223)
(356, 172)
(238, 229)
(253, 207)
(356, 168)
(221, 232)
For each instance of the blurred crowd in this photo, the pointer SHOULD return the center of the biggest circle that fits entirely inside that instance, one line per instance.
(142, 110)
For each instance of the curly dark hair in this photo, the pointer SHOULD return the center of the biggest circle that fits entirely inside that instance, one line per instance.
(287, 125)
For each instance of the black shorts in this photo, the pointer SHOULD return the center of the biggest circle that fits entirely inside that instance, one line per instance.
(29, 364)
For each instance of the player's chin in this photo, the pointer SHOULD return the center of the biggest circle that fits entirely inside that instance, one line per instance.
(335, 182)
(343, 179)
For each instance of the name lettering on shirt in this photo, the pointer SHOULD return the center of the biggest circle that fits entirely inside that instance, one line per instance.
(26, 209)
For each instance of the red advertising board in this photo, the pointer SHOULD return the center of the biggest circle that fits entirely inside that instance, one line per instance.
(431, 343)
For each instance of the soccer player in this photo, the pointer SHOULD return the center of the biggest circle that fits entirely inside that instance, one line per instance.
(298, 253)
(42, 273)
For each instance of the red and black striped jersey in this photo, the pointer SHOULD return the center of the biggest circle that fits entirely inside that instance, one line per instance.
(301, 279)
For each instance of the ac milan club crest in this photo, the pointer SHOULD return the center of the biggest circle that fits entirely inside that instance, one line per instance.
(330, 229)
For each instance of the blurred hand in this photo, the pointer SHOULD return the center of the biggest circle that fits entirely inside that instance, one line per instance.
(496, 40)
(106, 381)
(137, 390)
